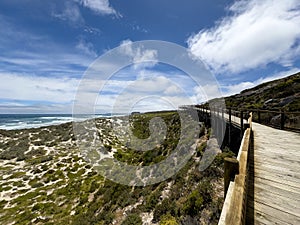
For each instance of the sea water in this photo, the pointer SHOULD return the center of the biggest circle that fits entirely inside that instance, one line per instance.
(21, 121)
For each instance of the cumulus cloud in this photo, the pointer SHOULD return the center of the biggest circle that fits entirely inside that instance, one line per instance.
(254, 34)
(99, 6)
(138, 54)
(20, 93)
(152, 90)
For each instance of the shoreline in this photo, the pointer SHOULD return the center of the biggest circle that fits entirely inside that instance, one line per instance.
(59, 121)
(72, 120)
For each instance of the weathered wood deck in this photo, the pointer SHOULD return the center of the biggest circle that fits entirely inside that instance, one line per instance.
(274, 177)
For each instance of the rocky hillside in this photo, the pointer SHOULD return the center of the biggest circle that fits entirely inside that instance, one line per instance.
(274, 95)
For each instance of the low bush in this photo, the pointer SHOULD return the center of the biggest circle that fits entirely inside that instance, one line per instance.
(132, 219)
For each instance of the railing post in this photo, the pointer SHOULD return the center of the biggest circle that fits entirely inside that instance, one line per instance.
(242, 124)
(231, 168)
(223, 124)
(222, 114)
(282, 120)
(230, 116)
(258, 115)
(246, 126)
(217, 124)
(229, 127)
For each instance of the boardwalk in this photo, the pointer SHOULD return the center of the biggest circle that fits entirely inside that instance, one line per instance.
(274, 177)
(273, 193)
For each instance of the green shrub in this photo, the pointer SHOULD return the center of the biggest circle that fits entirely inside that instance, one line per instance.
(152, 200)
(194, 203)
(166, 206)
(132, 219)
(219, 159)
(168, 220)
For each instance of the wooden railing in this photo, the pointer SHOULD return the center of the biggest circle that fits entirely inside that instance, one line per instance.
(235, 183)
(236, 169)
(232, 116)
(278, 119)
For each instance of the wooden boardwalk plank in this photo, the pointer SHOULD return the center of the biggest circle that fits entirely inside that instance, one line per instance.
(274, 193)
(277, 201)
(267, 168)
(278, 178)
(262, 218)
(280, 152)
(276, 160)
(285, 194)
(264, 214)
(293, 192)
(279, 164)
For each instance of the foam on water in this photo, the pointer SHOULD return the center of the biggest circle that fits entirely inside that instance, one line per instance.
(21, 121)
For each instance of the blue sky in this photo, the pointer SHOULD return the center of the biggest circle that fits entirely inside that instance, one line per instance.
(46, 46)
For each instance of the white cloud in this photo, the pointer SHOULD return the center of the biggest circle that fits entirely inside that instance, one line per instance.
(92, 30)
(151, 84)
(147, 57)
(173, 90)
(205, 92)
(152, 90)
(87, 48)
(71, 14)
(237, 88)
(35, 108)
(118, 96)
(34, 88)
(255, 34)
(135, 102)
(46, 61)
(99, 6)
(56, 94)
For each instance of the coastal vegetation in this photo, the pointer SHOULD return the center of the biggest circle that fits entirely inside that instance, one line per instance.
(45, 180)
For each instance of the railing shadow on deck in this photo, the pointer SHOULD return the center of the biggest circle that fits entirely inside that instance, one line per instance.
(251, 173)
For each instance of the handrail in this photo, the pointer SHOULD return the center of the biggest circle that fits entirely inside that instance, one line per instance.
(279, 119)
(234, 208)
(236, 170)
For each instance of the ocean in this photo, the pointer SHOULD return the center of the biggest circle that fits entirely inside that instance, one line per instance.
(21, 121)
